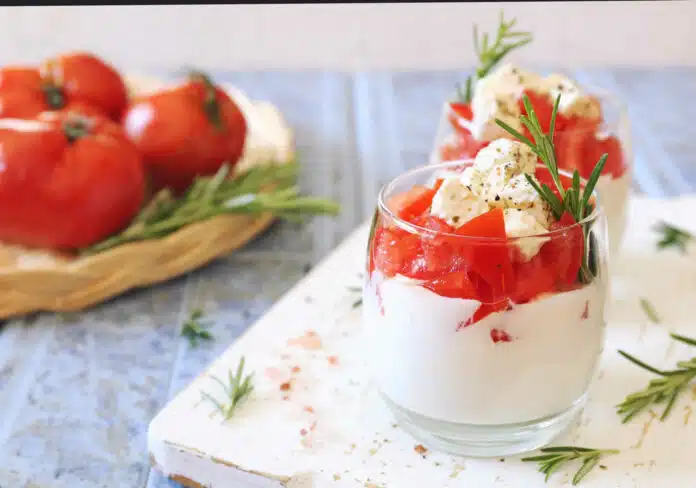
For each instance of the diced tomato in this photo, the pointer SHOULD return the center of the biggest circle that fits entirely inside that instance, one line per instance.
(458, 112)
(544, 177)
(453, 285)
(463, 110)
(498, 335)
(563, 254)
(465, 146)
(615, 164)
(411, 203)
(394, 250)
(438, 184)
(532, 278)
(490, 260)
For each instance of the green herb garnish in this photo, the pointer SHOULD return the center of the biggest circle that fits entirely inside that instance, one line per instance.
(193, 329)
(552, 458)
(489, 55)
(649, 310)
(665, 389)
(262, 189)
(236, 389)
(574, 200)
(671, 236)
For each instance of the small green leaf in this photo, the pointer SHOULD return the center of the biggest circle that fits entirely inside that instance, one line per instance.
(585, 468)
(649, 310)
(594, 178)
(686, 340)
(552, 125)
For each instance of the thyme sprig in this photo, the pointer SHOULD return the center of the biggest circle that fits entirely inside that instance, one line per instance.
(574, 200)
(263, 189)
(553, 458)
(665, 389)
(671, 236)
(489, 55)
(194, 329)
(237, 388)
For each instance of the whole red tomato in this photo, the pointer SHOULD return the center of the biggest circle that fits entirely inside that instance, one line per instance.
(66, 181)
(186, 131)
(80, 81)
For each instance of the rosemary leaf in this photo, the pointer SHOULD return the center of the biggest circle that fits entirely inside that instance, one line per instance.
(553, 458)
(489, 55)
(671, 236)
(665, 389)
(237, 388)
(263, 189)
(194, 330)
(649, 310)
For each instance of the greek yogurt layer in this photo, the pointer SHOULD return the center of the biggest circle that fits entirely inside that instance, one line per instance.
(519, 365)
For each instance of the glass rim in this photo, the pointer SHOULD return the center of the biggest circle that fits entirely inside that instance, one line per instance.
(601, 93)
(382, 207)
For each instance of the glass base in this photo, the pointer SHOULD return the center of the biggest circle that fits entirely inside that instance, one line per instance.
(485, 440)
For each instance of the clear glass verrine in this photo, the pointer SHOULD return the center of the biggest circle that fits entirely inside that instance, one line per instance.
(477, 348)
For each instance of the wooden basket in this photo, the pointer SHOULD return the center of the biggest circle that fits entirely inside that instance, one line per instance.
(32, 281)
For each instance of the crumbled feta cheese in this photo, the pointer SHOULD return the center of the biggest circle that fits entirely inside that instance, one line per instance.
(498, 96)
(456, 204)
(518, 193)
(473, 179)
(503, 158)
(521, 223)
(573, 101)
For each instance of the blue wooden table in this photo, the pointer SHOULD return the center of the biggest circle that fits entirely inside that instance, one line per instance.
(77, 391)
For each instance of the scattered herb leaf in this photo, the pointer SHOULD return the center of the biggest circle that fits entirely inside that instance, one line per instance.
(665, 389)
(194, 330)
(236, 389)
(263, 189)
(552, 458)
(671, 236)
(649, 310)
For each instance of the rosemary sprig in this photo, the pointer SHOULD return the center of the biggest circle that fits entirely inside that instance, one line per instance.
(237, 388)
(574, 200)
(193, 329)
(552, 458)
(262, 189)
(665, 389)
(489, 55)
(671, 236)
(649, 310)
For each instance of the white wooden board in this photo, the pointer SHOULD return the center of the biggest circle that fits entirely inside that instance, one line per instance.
(331, 430)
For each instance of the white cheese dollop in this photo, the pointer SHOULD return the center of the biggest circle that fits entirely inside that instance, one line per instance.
(521, 223)
(456, 203)
(497, 179)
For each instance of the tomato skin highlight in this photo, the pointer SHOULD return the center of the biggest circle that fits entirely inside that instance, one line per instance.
(65, 194)
(178, 139)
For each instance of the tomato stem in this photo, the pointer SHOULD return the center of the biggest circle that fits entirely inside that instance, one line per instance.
(76, 127)
(55, 98)
(211, 106)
